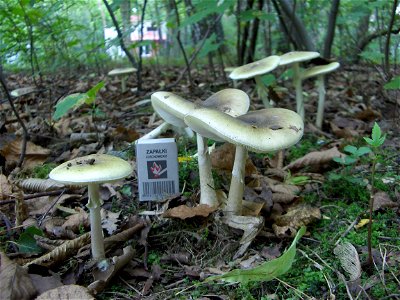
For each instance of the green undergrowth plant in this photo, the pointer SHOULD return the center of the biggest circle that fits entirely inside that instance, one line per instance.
(376, 141)
(75, 101)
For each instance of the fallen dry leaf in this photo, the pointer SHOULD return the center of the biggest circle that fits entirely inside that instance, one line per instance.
(382, 200)
(5, 187)
(35, 155)
(298, 215)
(103, 277)
(184, 211)
(222, 158)
(109, 220)
(15, 283)
(315, 158)
(45, 283)
(67, 292)
(75, 221)
(251, 208)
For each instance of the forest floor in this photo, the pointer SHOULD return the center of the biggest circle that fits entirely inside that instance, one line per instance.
(176, 249)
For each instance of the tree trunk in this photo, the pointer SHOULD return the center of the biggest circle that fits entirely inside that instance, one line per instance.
(387, 42)
(125, 8)
(245, 36)
(330, 33)
(296, 28)
(254, 33)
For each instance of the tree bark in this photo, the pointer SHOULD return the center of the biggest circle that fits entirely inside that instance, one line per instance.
(387, 42)
(330, 33)
(254, 33)
(125, 8)
(297, 29)
(119, 33)
(245, 36)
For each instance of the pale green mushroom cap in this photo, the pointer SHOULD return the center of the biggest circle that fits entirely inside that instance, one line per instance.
(297, 56)
(171, 107)
(256, 68)
(121, 71)
(233, 102)
(23, 91)
(94, 168)
(262, 131)
(320, 70)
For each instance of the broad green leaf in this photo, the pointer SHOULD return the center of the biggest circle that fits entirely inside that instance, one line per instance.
(63, 106)
(394, 84)
(348, 160)
(91, 94)
(27, 243)
(376, 132)
(210, 45)
(350, 149)
(268, 79)
(369, 141)
(266, 271)
(363, 150)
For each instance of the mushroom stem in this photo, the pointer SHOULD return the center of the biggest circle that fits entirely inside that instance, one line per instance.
(156, 131)
(262, 91)
(123, 83)
(321, 100)
(234, 203)
(297, 82)
(207, 191)
(97, 239)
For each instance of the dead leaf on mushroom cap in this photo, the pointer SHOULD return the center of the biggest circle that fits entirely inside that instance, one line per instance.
(184, 211)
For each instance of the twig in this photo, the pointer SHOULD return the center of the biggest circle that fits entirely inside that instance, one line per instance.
(36, 195)
(25, 136)
(348, 229)
(51, 206)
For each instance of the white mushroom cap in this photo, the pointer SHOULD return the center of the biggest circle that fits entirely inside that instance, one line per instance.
(320, 70)
(23, 91)
(121, 71)
(255, 68)
(297, 56)
(260, 131)
(171, 107)
(233, 102)
(94, 168)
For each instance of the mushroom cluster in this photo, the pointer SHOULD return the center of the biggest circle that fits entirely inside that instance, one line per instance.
(260, 131)
(173, 108)
(293, 59)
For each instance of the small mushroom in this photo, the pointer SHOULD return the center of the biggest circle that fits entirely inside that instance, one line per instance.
(257, 69)
(260, 131)
(294, 58)
(173, 109)
(92, 170)
(320, 72)
(124, 73)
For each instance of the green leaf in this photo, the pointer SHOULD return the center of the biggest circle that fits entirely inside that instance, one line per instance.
(363, 150)
(91, 94)
(27, 243)
(268, 79)
(394, 84)
(64, 105)
(376, 132)
(348, 160)
(350, 149)
(369, 141)
(266, 271)
(210, 45)
(339, 160)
